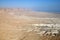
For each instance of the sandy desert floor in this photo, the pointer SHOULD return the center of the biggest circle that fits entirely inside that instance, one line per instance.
(11, 25)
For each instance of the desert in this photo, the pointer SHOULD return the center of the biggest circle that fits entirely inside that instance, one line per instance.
(17, 24)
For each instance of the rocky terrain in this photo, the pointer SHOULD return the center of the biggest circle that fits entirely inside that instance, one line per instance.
(16, 24)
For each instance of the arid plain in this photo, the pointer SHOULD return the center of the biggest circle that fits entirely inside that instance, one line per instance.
(14, 24)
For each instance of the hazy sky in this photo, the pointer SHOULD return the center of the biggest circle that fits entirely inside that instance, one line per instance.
(40, 5)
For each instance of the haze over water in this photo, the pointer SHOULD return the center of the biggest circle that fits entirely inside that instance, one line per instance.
(35, 5)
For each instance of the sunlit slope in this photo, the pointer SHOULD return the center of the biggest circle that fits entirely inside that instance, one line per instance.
(12, 23)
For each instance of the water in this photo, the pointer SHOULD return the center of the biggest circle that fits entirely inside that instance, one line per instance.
(42, 10)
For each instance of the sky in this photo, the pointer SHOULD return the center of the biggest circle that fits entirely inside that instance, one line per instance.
(37, 5)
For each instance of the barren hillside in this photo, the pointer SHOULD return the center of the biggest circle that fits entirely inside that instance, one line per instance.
(13, 24)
